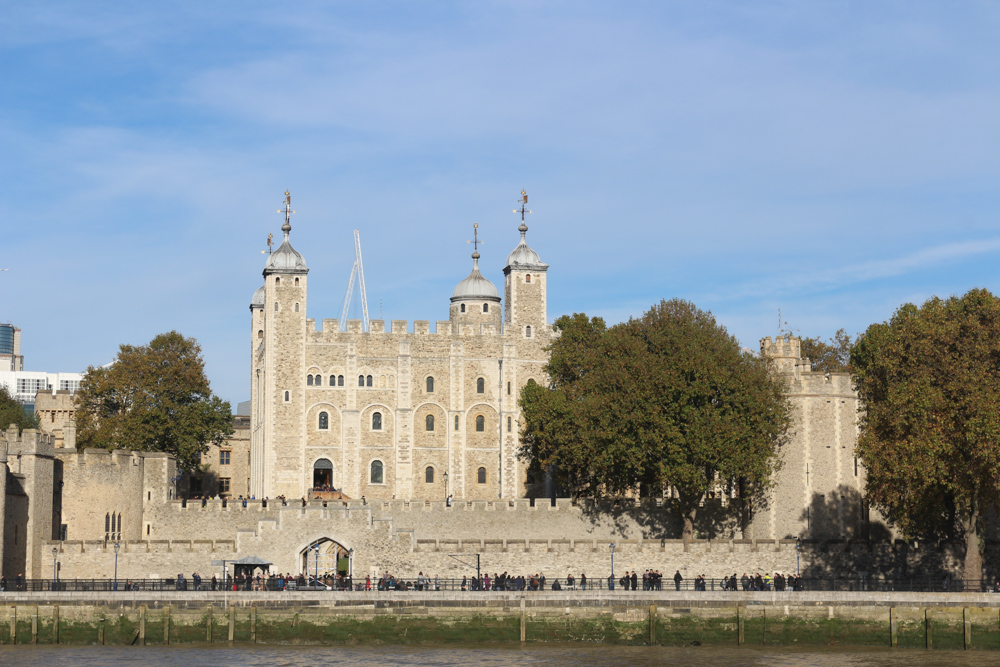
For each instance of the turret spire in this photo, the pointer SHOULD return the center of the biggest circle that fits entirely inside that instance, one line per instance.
(287, 227)
(523, 201)
(475, 243)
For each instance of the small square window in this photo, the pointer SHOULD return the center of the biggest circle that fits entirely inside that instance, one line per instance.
(224, 484)
(224, 457)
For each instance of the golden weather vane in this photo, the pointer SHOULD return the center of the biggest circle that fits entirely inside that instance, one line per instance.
(270, 243)
(523, 201)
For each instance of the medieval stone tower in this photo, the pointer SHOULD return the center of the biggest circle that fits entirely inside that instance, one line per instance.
(403, 413)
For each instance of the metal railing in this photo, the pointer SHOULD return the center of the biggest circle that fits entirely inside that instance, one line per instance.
(471, 585)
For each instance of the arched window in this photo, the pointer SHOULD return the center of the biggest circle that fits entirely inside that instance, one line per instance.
(481, 476)
(260, 334)
(296, 282)
(527, 331)
(429, 475)
(462, 308)
(286, 397)
(333, 381)
(509, 422)
(376, 475)
(376, 421)
(369, 380)
(277, 280)
(340, 380)
(486, 307)
(296, 307)
(361, 380)
(309, 380)
(430, 385)
(324, 421)
(508, 388)
(480, 423)
(527, 278)
(429, 423)
(319, 380)
(275, 306)
(480, 386)
(456, 422)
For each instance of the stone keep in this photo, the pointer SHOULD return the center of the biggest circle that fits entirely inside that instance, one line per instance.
(399, 413)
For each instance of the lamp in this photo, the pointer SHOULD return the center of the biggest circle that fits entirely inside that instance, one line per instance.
(117, 547)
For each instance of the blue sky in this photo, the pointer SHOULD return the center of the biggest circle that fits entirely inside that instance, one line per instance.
(833, 159)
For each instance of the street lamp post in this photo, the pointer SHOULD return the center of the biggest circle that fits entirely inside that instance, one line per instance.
(55, 551)
(798, 550)
(316, 576)
(446, 488)
(117, 547)
(612, 561)
(350, 564)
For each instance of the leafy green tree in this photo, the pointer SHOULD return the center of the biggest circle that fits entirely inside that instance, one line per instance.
(668, 399)
(829, 357)
(930, 434)
(153, 398)
(12, 412)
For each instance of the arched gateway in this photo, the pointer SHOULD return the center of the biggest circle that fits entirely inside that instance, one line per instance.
(326, 557)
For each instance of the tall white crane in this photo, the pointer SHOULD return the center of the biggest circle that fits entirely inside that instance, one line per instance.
(357, 271)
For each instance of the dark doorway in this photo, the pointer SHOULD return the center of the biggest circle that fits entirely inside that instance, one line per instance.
(323, 474)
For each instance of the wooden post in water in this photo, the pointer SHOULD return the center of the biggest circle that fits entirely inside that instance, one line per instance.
(524, 627)
(763, 616)
(34, 626)
(13, 624)
(232, 624)
(740, 637)
(55, 624)
(967, 628)
(100, 630)
(893, 622)
(142, 625)
(208, 625)
(652, 624)
(166, 624)
(253, 625)
(928, 639)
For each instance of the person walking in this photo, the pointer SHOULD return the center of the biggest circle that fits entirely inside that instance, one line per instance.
(635, 581)
(677, 580)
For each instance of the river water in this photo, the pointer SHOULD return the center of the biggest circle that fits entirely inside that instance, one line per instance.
(548, 655)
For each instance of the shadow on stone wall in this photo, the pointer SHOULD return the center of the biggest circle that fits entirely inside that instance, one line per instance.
(658, 519)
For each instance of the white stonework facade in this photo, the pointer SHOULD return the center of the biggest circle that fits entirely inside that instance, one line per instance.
(400, 413)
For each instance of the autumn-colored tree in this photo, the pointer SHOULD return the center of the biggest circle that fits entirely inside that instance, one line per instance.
(668, 399)
(930, 434)
(153, 398)
(833, 356)
(12, 412)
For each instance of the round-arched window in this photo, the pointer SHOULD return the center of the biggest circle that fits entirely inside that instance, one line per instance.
(429, 475)
(286, 396)
(368, 380)
(480, 423)
(376, 473)
(319, 380)
(481, 476)
(486, 307)
(324, 421)
(429, 423)
(361, 380)
(430, 385)
(260, 334)
(527, 278)
(376, 421)
(481, 386)
(340, 380)
(527, 331)
(333, 380)
(309, 380)
(462, 308)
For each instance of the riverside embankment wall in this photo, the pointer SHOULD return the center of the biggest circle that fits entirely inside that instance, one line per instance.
(904, 619)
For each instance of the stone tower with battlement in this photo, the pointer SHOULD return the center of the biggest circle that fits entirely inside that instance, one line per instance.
(402, 413)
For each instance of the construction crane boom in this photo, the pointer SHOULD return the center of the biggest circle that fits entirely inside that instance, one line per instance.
(357, 272)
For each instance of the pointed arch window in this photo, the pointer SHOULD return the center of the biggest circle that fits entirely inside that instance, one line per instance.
(376, 476)
(481, 386)
(324, 421)
(429, 423)
(481, 476)
(430, 385)
(376, 421)
(429, 475)
(480, 423)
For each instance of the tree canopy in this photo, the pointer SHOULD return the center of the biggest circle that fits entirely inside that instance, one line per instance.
(12, 412)
(832, 356)
(153, 398)
(930, 433)
(668, 399)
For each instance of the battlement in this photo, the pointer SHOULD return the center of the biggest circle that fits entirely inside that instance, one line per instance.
(144, 546)
(28, 441)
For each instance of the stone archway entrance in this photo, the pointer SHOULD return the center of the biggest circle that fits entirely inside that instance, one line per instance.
(326, 557)
(323, 474)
